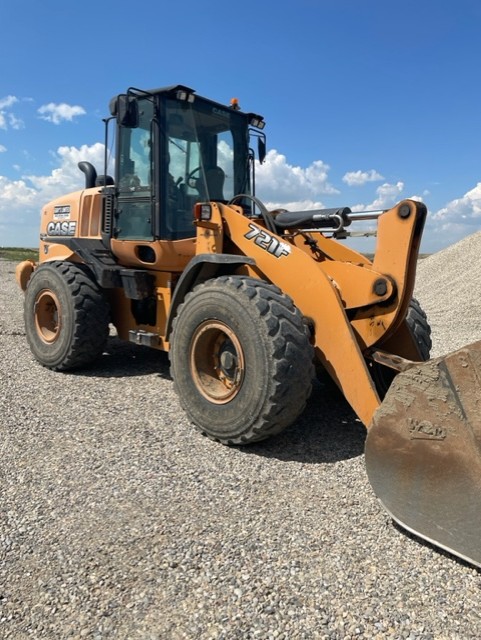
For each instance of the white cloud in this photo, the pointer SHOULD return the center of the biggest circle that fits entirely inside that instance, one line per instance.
(2, 148)
(14, 194)
(279, 181)
(67, 177)
(279, 185)
(359, 178)
(6, 118)
(298, 205)
(57, 113)
(7, 102)
(15, 123)
(35, 191)
(458, 218)
(387, 195)
(21, 200)
(465, 210)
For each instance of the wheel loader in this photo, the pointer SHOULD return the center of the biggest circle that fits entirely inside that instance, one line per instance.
(178, 253)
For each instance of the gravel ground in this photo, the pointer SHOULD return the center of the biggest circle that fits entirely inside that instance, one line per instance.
(118, 520)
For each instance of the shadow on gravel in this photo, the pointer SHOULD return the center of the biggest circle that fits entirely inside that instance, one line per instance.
(327, 431)
(124, 359)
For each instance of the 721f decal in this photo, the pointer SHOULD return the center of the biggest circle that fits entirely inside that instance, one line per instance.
(265, 241)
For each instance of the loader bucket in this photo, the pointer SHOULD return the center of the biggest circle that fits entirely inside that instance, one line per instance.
(423, 451)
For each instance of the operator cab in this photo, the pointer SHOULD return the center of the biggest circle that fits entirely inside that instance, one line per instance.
(175, 149)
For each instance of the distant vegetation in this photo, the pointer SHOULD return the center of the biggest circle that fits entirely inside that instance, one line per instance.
(16, 254)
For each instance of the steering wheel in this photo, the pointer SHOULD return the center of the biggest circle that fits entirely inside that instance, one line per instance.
(190, 180)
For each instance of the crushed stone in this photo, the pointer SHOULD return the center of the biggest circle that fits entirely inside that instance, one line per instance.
(119, 521)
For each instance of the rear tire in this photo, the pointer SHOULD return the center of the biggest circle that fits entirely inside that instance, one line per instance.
(66, 316)
(241, 359)
(421, 332)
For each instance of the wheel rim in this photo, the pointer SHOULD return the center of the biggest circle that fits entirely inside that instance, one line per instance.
(217, 362)
(47, 316)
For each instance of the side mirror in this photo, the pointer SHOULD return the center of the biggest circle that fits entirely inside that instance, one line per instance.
(127, 109)
(261, 149)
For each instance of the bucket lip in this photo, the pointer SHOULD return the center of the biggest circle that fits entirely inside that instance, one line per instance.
(435, 543)
(423, 452)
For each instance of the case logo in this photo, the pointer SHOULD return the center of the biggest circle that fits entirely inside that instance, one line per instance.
(61, 228)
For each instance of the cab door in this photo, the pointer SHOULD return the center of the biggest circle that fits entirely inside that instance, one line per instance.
(135, 184)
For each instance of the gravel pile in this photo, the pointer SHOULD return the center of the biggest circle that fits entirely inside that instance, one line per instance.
(449, 289)
(118, 520)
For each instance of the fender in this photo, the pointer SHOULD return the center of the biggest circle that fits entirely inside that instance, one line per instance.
(199, 269)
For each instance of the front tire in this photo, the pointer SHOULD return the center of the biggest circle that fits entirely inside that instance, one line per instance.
(66, 316)
(241, 359)
(420, 330)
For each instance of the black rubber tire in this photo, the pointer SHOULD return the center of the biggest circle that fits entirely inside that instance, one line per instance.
(66, 316)
(264, 335)
(421, 331)
(420, 328)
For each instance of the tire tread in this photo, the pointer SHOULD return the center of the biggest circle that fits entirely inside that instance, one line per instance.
(292, 354)
(90, 316)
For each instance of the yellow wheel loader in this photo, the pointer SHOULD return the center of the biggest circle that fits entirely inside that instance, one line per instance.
(178, 253)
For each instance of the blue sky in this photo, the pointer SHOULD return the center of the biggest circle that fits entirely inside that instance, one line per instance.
(366, 103)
